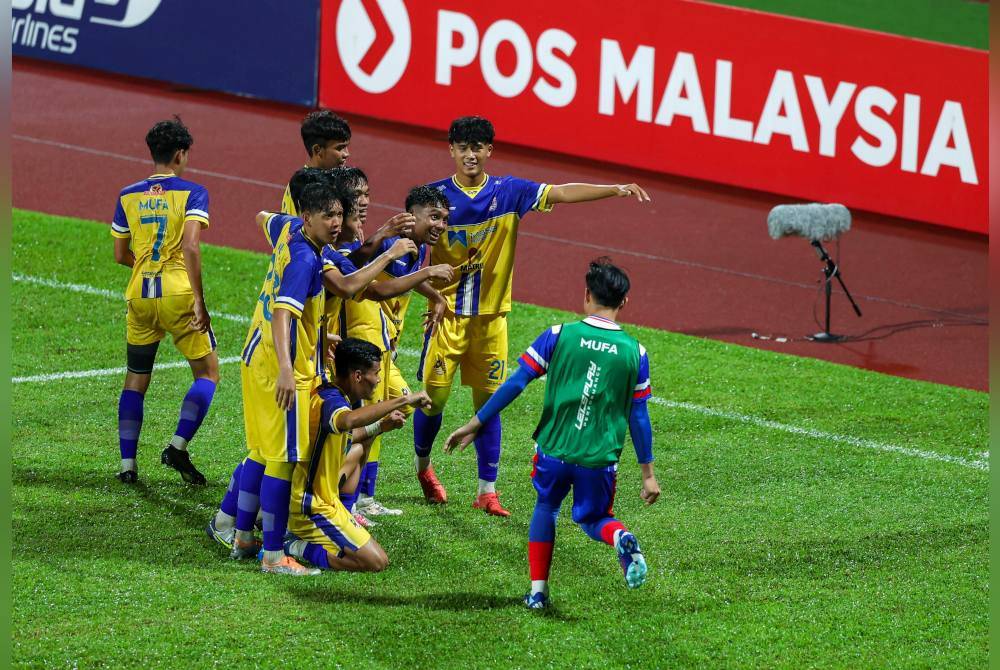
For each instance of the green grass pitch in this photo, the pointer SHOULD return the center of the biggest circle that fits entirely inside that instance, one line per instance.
(812, 515)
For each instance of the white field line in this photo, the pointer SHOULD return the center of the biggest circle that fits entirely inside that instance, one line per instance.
(981, 464)
(104, 372)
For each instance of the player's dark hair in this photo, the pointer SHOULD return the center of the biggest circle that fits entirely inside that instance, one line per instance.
(167, 138)
(425, 195)
(302, 178)
(322, 127)
(607, 282)
(319, 196)
(348, 177)
(469, 130)
(354, 354)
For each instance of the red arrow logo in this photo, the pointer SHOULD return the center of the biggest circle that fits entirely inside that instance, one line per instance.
(383, 37)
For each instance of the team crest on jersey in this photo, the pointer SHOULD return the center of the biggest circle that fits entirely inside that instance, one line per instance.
(155, 189)
(458, 236)
(439, 366)
(493, 205)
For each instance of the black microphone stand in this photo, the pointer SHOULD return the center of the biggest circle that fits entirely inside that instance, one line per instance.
(831, 271)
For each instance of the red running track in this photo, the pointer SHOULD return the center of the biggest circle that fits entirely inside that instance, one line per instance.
(699, 255)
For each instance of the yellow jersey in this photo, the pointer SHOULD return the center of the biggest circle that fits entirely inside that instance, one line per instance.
(294, 282)
(330, 448)
(151, 213)
(481, 239)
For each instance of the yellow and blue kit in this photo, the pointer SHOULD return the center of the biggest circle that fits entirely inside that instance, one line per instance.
(293, 283)
(481, 238)
(395, 308)
(287, 204)
(480, 244)
(317, 514)
(367, 320)
(151, 214)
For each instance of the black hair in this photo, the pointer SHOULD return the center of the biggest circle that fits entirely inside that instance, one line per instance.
(302, 178)
(425, 195)
(347, 177)
(322, 127)
(607, 282)
(354, 354)
(469, 130)
(166, 138)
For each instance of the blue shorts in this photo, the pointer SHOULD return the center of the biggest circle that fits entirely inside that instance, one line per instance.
(593, 488)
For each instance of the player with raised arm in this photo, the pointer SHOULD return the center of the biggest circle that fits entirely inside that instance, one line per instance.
(341, 279)
(157, 231)
(598, 384)
(326, 138)
(472, 336)
(326, 534)
(280, 361)
(363, 317)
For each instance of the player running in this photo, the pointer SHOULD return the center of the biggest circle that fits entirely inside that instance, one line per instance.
(157, 230)
(326, 137)
(326, 534)
(598, 382)
(482, 234)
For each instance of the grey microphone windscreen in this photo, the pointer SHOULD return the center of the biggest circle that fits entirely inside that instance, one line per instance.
(815, 221)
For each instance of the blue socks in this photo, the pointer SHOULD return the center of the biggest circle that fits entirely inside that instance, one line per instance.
(193, 410)
(129, 422)
(229, 501)
(316, 554)
(487, 443)
(366, 486)
(275, 497)
(425, 430)
(248, 500)
(349, 499)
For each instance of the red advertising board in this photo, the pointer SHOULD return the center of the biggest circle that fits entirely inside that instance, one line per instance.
(801, 108)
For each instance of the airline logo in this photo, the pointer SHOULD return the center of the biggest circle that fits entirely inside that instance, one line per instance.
(373, 42)
(53, 33)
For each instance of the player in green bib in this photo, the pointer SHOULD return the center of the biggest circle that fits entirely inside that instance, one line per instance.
(598, 386)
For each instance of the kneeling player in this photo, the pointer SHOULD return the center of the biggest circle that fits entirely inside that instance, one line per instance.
(328, 535)
(598, 382)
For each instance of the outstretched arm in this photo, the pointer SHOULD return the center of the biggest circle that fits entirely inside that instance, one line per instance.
(390, 288)
(587, 192)
(504, 396)
(369, 414)
(347, 286)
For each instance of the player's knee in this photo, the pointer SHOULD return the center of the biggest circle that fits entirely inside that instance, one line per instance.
(206, 368)
(139, 359)
(373, 557)
(438, 397)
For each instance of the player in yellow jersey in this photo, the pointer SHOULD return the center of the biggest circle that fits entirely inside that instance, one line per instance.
(280, 362)
(326, 533)
(341, 280)
(482, 233)
(363, 317)
(326, 138)
(157, 230)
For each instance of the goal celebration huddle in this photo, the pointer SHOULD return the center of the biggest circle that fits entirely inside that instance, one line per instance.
(318, 374)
